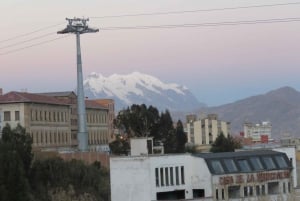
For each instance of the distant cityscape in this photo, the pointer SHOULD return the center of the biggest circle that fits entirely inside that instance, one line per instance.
(262, 168)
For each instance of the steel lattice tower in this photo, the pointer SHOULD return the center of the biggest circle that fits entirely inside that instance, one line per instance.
(79, 26)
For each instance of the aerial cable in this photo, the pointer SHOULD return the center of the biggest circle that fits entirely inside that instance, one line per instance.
(195, 11)
(225, 23)
(26, 41)
(29, 33)
(33, 45)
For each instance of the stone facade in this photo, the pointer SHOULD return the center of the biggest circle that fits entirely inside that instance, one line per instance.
(51, 119)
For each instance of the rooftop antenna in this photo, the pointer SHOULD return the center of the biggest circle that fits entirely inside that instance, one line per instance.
(79, 26)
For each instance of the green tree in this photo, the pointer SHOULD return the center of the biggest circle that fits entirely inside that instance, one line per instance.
(21, 142)
(15, 162)
(224, 144)
(119, 146)
(137, 121)
(142, 121)
(181, 137)
(166, 132)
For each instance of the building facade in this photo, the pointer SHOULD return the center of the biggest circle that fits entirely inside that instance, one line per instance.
(234, 176)
(51, 119)
(260, 132)
(204, 131)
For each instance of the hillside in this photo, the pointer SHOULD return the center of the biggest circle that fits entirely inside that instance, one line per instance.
(280, 106)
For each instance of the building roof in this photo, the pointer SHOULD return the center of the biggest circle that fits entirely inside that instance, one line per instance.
(24, 97)
(104, 102)
(59, 94)
(245, 161)
(94, 104)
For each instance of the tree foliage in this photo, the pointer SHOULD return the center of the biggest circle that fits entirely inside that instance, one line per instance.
(120, 146)
(22, 179)
(15, 162)
(58, 174)
(143, 121)
(225, 144)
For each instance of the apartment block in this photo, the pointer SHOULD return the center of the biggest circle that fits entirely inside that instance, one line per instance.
(204, 130)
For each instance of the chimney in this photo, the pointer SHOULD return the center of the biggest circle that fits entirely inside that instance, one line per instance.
(1, 91)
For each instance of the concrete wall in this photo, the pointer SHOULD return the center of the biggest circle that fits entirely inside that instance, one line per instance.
(291, 154)
(134, 178)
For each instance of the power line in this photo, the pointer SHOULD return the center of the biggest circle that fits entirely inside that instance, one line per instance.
(33, 45)
(29, 33)
(194, 11)
(157, 13)
(25, 41)
(168, 26)
(225, 23)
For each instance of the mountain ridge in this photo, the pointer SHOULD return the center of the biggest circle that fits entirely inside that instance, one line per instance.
(138, 88)
(280, 106)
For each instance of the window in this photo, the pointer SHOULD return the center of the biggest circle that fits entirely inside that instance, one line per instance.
(257, 190)
(244, 165)
(230, 165)
(198, 193)
(6, 115)
(17, 115)
(256, 163)
(273, 188)
(162, 176)
(177, 175)
(171, 175)
(182, 175)
(281, 162)
(269, 162)
(167, 176)
(233, 192)
(156, 177)
(245, 191)
(217, 166)
(263, 190)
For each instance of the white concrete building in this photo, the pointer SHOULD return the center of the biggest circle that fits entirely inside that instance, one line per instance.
(235, 176)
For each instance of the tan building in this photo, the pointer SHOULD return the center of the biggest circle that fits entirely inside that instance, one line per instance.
(46, 119)
(204, 131)
(51, 119)
(257, 132)
(110, 104)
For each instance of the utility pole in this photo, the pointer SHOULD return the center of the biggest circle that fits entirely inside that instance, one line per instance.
(79, 26)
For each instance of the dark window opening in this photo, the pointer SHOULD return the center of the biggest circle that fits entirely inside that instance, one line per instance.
(177, 175)
(257, 190)
(156, 177)
(171, 195)
(273, 188)
(17, 115)
(234, 192)
(198, 193)
(171, 175)
(167, 176)
(182, 175)
(149, 146)
(162, 177)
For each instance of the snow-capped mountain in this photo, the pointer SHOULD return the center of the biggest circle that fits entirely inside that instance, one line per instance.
(138, 88)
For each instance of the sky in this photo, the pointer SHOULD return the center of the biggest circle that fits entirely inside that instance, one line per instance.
(219, 64)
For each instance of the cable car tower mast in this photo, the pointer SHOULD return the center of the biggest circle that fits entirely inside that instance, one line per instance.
(79, 26)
